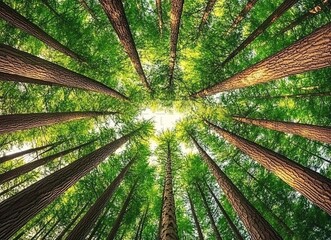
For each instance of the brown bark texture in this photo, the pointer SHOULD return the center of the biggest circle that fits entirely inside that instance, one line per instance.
(20, 208)
(313, 132)
(158, 4)
(256, 225)
(315, 187)
(175, 16)
(16, 62)
(169, 224)
(16, 78)
(15, 122)
(16, 172)
(119, 219)
(115, 12)
(19, 21)
(249, 5)
(206, 13)
(195, 218)
(84, 226)
(310, 53)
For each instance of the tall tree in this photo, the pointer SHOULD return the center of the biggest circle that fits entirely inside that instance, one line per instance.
(161, 211)
(51, 229)
(141, 224)
(254, 222)
(318, 133)
(226, 215)
(210, 215)
(19, 21)
(272, 68)
(272, 18)
(169, 224)
(249, 5)
(16, 172)
(20, 208)
(115, 12)
(84, 226)
(206, 13)
(15, 122)
(16, 62)
(175, 16)
(119, 219)
(315, 187)
(195, 217)
(158, 4)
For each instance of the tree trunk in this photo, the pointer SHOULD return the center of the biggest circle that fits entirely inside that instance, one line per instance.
(195, 218)
(51, 229)
(84, 226)
(19, 21)
(249, 5)
(227, 217)
(206, 13)
(15, 122)
(19, 209)
(310, 53)
(256, 225)
(315, 187)
(159, 15)
(143, 225)
(169, 224)
(72, 222)
(119, 219)
(40, 230)
(160, 218)
(175, 16)
(210, 215)
(16, 62)
(318, 133)
(115, 12)
(88, 9)
(99, 222)
(14, 173)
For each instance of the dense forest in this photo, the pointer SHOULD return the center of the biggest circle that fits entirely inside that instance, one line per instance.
(248, 158)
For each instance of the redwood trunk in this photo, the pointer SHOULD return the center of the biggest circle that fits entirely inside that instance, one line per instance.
(119, 219)
(227, 217)
(19, 21)
(15, 122)
(310, 53)
(210, 215)
(272, 18)
(195, 218)
(254, 222)
(169, 224)
(159, 15)
(14, 173)
(115, 12)
(160, 218)
(175, 16)
(16, 62)
(206, 13)
(315, 187)
(19, 209)
(318, 133)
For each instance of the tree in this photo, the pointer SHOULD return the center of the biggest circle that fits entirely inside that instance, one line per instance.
(256, 225)
(272, 68)
(315, 187)
(141, 224)
(19, 21)
(16, 62)
(159, 15)
(88, 9)
(116, 15)
(175, 16)
(206, 13)
(318, 133)
(195, 218)
(15, 122)
(19, 209)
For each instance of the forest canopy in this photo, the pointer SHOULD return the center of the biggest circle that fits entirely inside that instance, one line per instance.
(165, 119)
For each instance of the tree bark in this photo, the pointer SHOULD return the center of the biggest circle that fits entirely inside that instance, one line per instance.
(19, 21)
(318, 133)
(119, 219)
(19, 209)
(16, 62)
(15, 122)
(158, 4)
(14, 173)
(160, 217)
(169, 224)
(227, 217)
(249, 5)
(84, 226)
(310, 53)
(254, 222)
(206, 13)
(115, 12)
(175, 17)
(315, 187)
(195, 218)
(210, 215)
